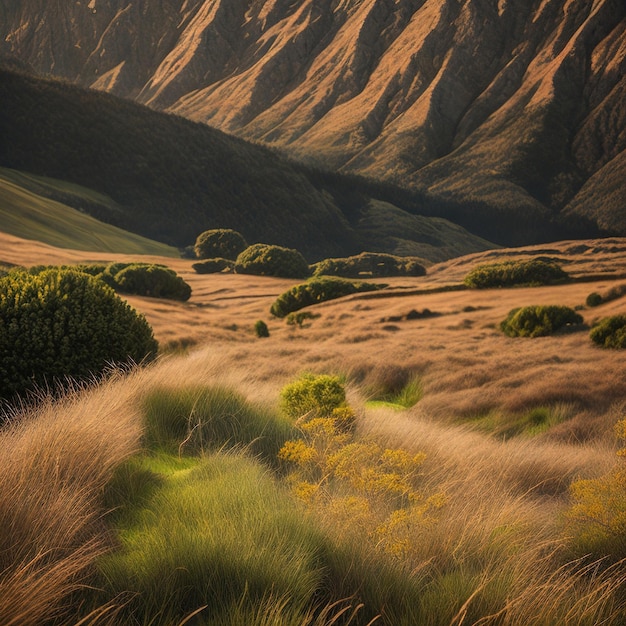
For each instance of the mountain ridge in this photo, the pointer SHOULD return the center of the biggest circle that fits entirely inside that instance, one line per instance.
(512, 112)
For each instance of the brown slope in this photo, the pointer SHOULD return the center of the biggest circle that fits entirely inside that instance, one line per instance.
(513, 106)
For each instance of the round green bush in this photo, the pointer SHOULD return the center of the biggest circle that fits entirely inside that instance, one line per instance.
(538, 321)
(213, 266)
(594, 299)
(319, 395)
(268, 260)
(510, 273)
(219, 243)
(317, 290)
(154, 281)
(261, 329)
(64, 323)
(610, 332)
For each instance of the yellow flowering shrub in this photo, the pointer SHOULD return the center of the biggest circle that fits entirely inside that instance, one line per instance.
(356, 484)
(597, 517)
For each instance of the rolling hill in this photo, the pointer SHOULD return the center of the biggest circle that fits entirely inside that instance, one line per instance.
(168, 179)
(504, 114)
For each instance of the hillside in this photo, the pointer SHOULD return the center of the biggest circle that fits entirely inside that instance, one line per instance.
(506, 113)
(168, 179)
(27, 211)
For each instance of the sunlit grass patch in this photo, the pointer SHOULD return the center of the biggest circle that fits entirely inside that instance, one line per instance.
(210, 532)
(404, 398)
(534, 421)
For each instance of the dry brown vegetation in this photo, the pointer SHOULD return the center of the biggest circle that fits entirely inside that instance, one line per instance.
(473, 378)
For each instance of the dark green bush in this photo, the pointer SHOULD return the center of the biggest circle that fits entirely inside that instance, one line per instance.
(64, 323)
(610, 332)
(219, 242)
(594, 299)
(510, 273)
(317, 290)
(261, 329)
(154, 281)
(267, 260)
(369, 264)
(538, 321)
(297, 318)
(213, 266)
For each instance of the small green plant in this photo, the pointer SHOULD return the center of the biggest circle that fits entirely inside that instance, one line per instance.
(268, 260)
(369, 264)
(610, 332)
(538, 321)
(213, 266)
(593, 299)
(61, 324)
(219, 242)
(509, 273)
(317, 290)
(261, 329)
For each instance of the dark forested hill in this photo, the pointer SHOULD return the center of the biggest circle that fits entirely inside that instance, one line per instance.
(169, 179)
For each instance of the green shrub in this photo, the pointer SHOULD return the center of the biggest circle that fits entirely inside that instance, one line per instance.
(610, 332)
(538, 321)
(510, 273)
(64, 323)
(298, 318)
(213, 266)
(317, 290)
(318, 395)
(261, 329)
(267, 260)
(594, 299)
(219, 242)
(154, 281)
(370, 264)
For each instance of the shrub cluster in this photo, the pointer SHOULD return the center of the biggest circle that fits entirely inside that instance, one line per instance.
(141, 279)
(317, 290)
(155, 281)
(369, 264)
(269, 260)
(510, 273)
(219, 243)
(64, 323)
(610, 332)
(213, 266)
(538, 321)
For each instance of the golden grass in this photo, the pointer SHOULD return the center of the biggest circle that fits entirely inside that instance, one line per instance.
(56, 460)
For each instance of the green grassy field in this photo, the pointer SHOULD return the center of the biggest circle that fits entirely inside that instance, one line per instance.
(26, 211)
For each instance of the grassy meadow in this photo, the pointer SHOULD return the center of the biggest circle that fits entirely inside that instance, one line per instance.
(163, 495)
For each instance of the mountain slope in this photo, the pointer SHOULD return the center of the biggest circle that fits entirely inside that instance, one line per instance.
(505, 110)
(168, 179)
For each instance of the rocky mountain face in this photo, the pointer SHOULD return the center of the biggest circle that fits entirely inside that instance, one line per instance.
(510, 110)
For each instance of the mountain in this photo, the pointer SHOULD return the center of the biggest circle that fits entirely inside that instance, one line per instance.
(506, 113)
(168, 179)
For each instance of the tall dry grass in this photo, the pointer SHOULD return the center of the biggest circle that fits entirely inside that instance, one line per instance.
(55, 462)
